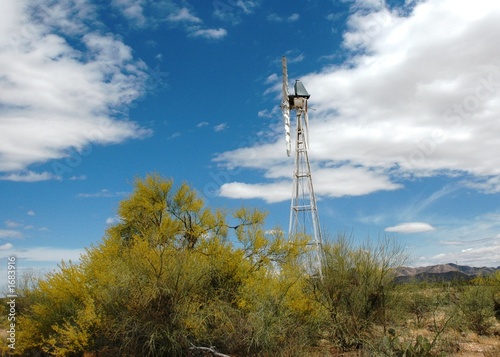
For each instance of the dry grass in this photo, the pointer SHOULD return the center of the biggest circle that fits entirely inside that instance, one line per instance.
(450, 342)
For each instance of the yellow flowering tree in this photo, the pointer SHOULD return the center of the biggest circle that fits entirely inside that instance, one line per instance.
(173, 276)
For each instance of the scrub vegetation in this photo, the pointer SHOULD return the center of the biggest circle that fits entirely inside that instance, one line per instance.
(177, 278)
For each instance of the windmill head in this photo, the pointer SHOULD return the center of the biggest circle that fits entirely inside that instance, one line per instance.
(296, 101)
(300, 90)
(299, 99)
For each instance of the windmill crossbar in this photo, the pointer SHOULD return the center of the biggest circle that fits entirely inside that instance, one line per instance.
(302, 208)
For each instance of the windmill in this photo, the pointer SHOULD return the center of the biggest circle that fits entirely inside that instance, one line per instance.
(304, 218)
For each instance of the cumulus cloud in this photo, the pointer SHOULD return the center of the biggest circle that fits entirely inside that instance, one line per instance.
(424, 93)
(410, 227)
(55, 96)
(329, 182)
(419, 95)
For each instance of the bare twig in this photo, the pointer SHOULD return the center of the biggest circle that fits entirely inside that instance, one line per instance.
(210, 350)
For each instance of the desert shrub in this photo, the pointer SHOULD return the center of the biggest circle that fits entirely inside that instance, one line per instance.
(356, 287)
(475, 304)
(392, 345)
(420, 304)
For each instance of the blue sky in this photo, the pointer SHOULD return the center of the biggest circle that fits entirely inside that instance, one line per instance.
(404, 126)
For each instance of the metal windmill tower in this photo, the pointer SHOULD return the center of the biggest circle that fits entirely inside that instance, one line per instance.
(304, 218)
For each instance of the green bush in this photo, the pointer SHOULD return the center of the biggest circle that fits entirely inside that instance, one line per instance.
(475, 305)
(420, 304)
(356, 288)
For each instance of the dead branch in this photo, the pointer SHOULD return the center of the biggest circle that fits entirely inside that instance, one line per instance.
(210, 350)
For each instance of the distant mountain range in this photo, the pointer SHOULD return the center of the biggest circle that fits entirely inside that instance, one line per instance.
(441, 272)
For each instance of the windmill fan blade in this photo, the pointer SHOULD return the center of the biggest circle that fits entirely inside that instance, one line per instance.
(306, 123)
(285, 81)
(285, 105)
(287, 138)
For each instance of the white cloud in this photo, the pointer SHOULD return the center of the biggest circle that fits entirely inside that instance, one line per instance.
(12, 224)
(6, 246)
(473, 242)
(488, 185)
(104, 193)
(30, 213)
(49, 254)
(296, 58)
(350, 181)
(419, 96)
(331, 182)
(214, 34)
(266, 114)
(67, 16)
(132, 10)
(273, 78)
(274, 18)
(277, 18)
(184, 15)
(112, 220)
(410, 227)
(247, 6)
(56, 97)
(221, 127)
(174, 135)
(194, 25)
(36, 260)
(481, 230)
(10, 233)
(401, 100)
(233, 11)
(488, 256)
(78, 178)
(29, 176)
(274, 192)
